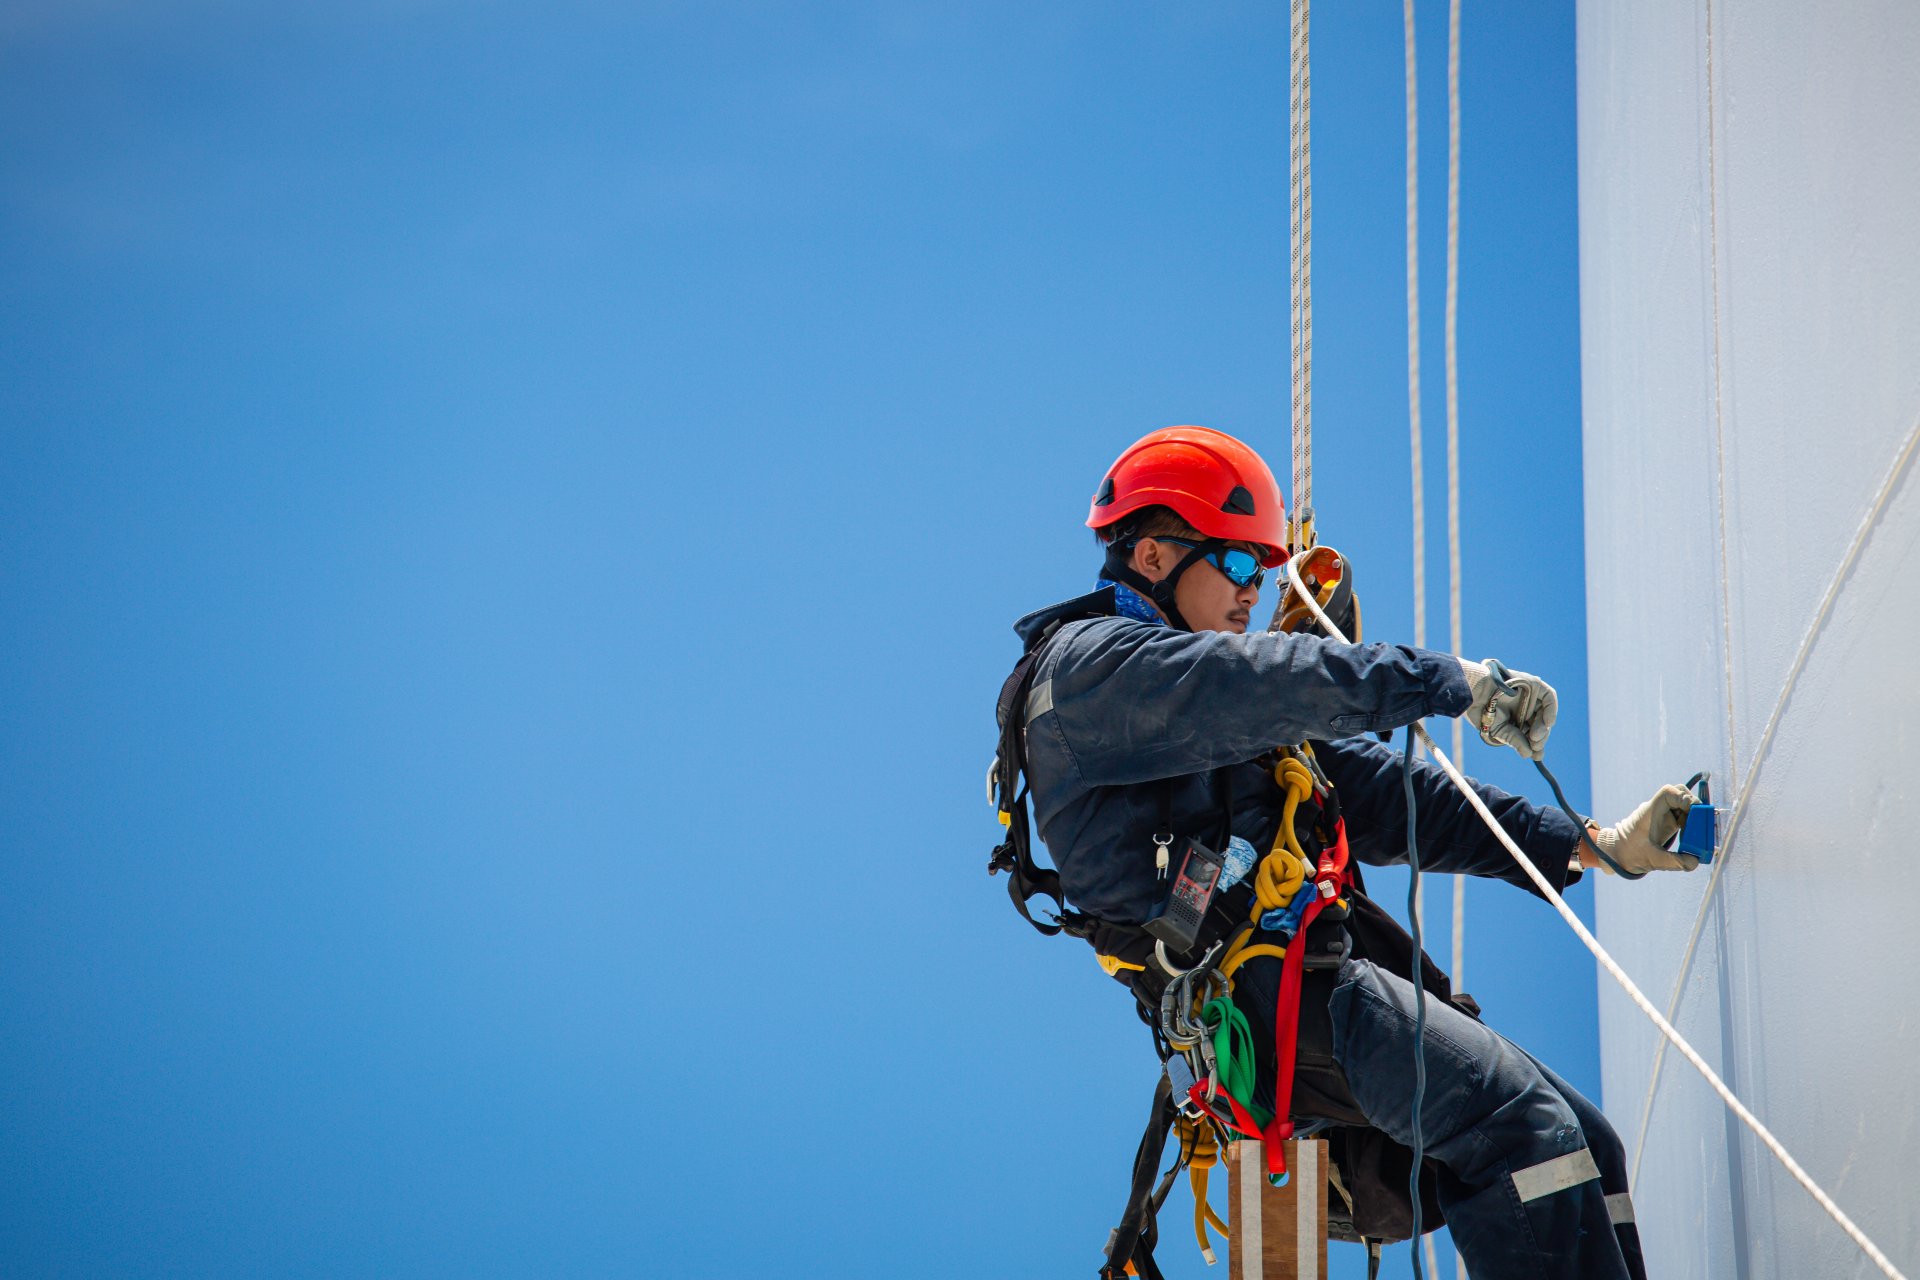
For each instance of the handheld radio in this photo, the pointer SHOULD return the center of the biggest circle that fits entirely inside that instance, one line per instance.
(1196, 879)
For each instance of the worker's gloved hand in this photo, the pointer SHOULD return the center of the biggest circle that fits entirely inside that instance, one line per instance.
(1638, 843)
(1520, 719)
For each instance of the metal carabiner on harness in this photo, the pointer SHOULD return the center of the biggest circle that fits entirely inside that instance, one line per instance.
(1177, 1023)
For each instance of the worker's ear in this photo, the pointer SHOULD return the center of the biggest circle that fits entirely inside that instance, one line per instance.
(1151, 558)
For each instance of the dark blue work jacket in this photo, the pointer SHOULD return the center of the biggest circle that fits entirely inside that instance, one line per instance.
(1117, 703)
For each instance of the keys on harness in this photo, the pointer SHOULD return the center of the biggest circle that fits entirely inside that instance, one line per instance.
(1161, 839)
(1177, 920)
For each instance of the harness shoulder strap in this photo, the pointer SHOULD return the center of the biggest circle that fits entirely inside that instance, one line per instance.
(1026, 879)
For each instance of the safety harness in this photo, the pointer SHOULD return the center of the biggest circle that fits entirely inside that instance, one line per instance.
(1207, 1082)
(1327, 890)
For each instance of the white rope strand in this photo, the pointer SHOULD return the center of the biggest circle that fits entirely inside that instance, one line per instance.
(1719, 409)
(1619, 975)
(1300, 114)
(1413, 373)
(1413, 339)
(1453, 464)
(1902, 458)
(1459, 968)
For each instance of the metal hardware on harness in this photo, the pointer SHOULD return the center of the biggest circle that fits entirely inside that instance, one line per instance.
(1333, 957)
(1180, 1002)
(1167, 966)
(1180, 1073)
(1326, 574)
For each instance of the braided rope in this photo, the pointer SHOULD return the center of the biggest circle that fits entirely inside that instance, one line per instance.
(1459, 967)
(1417, 898)
(1453, 447)
(1300, 246)
(1413, 338)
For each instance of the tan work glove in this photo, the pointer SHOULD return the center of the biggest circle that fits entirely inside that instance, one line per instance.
(1638, 842)
(1519, 716)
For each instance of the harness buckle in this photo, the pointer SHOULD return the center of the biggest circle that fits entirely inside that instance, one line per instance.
(1338, 947)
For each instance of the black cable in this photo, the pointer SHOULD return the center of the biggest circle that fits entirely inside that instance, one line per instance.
(1419, 1002)
(1498, 670)
(1581, 823)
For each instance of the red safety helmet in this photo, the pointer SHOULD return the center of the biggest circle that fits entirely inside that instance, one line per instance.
(1216, 483)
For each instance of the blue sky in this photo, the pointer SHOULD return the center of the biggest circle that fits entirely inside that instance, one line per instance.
(509, 521)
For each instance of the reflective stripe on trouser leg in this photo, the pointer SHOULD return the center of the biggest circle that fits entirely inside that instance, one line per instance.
(1491, 1115)
(1557, 1174)
(1610, 1154)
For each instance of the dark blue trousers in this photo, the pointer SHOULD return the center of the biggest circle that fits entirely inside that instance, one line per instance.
(1534, 1179)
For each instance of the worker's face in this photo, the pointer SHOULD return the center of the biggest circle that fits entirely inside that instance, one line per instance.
(1206, 597)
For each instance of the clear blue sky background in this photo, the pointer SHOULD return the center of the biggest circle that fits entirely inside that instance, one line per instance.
(509, 521)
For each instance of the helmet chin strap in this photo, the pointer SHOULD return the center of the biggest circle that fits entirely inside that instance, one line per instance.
(1161, 592)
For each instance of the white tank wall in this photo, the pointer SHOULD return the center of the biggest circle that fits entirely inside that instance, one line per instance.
(1750, 311)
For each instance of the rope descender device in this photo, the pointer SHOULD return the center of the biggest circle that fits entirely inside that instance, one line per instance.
(1327, 575)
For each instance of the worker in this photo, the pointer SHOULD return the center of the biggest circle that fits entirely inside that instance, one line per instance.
(1150, 710)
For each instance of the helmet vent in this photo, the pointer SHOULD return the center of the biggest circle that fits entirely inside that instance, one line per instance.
(1238, 503)
(1105, 496)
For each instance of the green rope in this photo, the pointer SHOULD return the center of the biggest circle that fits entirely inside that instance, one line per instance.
(1233, 1050)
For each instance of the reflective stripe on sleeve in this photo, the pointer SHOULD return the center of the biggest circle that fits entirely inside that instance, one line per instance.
(1557, 1174)
(1620, 1209)
(1039, 700)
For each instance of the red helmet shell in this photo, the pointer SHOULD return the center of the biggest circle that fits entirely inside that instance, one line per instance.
(1216, 483)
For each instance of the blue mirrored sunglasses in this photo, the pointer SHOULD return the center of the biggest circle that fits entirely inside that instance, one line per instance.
(1242, 568)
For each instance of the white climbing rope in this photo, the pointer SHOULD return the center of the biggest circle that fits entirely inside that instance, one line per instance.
(1453, 376)
(1459, 932)
(1619, 975)
(1459, 968)
(1300, 245)
(1413, 337)
(1902, 459)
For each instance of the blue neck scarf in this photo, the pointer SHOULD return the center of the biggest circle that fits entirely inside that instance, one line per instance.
(1131, 603)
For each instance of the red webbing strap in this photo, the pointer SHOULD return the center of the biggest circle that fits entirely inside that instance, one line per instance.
(1242, 1121)
(1286, 1008)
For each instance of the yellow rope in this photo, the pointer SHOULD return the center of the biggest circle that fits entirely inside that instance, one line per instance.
(1201, 1148)
(1281, 873)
